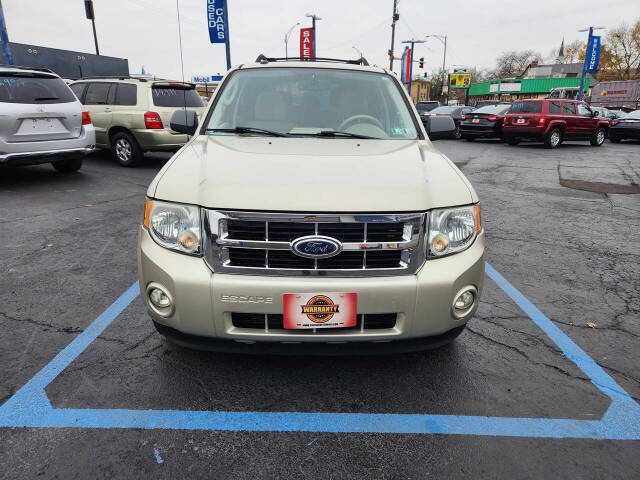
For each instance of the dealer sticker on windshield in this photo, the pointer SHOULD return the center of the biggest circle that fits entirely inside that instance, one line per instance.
(319, 310)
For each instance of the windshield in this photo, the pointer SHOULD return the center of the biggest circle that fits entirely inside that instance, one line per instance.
(312, 102)
(34, 88)
(635, 114)
(493, 109)
(444, 109)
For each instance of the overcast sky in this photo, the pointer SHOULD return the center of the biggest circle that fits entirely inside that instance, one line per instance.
(146, 31)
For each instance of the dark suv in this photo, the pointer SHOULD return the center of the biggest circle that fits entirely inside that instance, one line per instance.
(552, 121)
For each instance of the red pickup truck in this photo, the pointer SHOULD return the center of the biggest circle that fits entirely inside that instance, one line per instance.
(552, 121)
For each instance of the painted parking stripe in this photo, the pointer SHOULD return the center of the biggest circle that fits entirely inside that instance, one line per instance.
(30, 407)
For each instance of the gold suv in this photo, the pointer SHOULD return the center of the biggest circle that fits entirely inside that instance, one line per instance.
(131, 116)
(310, 213)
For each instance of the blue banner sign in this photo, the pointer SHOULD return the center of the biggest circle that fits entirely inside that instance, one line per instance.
(593, 55)
(216, 20)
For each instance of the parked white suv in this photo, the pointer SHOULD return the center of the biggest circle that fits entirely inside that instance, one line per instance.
(42, 121)
(310, 214)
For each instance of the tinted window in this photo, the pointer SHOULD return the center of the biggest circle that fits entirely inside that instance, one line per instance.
(526, 107)
(78, 89)
(569, 108)
(97, 94)
(554, 107)
(25, 88)
(493, 109)
(175, 97)
(445, 109)
(126, 94)
(583, 110)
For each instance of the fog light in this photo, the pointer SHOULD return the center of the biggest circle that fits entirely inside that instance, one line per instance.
(464, 301)
(159, 298)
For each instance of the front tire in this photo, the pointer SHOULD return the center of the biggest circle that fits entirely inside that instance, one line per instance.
(599, 137)
(553, 138)
(457, 134)
(125, 149)
(67, 166)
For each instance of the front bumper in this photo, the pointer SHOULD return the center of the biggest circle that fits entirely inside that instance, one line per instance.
(204, 301)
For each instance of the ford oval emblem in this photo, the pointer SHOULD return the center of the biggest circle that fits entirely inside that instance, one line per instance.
(316, 246)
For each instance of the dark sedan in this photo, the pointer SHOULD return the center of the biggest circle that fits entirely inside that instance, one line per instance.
(626, 127)
(485, 122)
(454, 111)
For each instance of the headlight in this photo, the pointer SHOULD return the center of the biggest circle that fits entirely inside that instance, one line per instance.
(174, 226)
(452, 230)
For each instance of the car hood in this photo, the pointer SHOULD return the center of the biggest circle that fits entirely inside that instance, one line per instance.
(311, 175)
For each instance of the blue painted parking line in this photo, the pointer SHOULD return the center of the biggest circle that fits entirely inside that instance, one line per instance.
(30, 407)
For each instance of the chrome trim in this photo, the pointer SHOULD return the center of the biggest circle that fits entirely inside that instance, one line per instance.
(336, 243)
(6, 157)
(217, 243)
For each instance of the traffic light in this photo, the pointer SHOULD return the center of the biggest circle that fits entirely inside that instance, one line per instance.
(424, 78)
(421, 64)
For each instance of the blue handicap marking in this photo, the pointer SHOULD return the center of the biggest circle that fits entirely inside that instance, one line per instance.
(30, 406)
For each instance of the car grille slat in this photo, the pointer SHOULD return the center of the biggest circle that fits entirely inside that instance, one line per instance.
(261, 243)
(384, 232)
(275, 321)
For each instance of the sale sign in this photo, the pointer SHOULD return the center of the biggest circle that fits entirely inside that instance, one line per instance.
(306, 43)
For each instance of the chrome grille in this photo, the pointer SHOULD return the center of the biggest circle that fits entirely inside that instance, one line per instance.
(260, 243)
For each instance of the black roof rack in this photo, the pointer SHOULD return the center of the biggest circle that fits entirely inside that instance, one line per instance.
(264, 59)
(35, 69)
(114, 77)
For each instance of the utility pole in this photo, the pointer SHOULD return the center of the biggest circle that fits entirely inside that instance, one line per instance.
(88, 10)
(394, 19)
(4, 38)
(314, 17)
(412, 42)
(443, 39)
(585, 65)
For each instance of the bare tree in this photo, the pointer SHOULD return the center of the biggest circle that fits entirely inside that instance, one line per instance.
(573, 52)
(512, 64)
(624, 44)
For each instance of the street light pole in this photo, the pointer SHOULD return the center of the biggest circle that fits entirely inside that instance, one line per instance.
(314, 17)
(412, 42)
(286, 40)
(443, 39)
(88, 9)
(586, 59)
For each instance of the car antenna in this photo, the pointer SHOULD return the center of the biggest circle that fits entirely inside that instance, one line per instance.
(184, 91)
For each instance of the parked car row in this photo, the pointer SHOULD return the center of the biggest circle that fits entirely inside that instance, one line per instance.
(46, 120)
(550, 121)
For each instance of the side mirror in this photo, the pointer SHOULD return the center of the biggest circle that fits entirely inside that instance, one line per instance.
(184, 121)
(596, 114)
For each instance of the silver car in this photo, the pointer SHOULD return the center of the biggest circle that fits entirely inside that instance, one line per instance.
(42, 121)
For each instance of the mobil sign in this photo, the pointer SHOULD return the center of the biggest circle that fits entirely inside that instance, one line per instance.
(306, 43)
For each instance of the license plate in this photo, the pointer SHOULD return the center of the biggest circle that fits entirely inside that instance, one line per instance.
(41, 125)
(475, 120)
(520, 120)
(320, 310)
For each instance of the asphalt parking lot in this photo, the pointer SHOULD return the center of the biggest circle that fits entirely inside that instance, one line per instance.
(562, 228)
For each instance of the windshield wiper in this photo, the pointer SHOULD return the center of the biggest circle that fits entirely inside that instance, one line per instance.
(44, 99)
(248, 130)
(336, 133)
